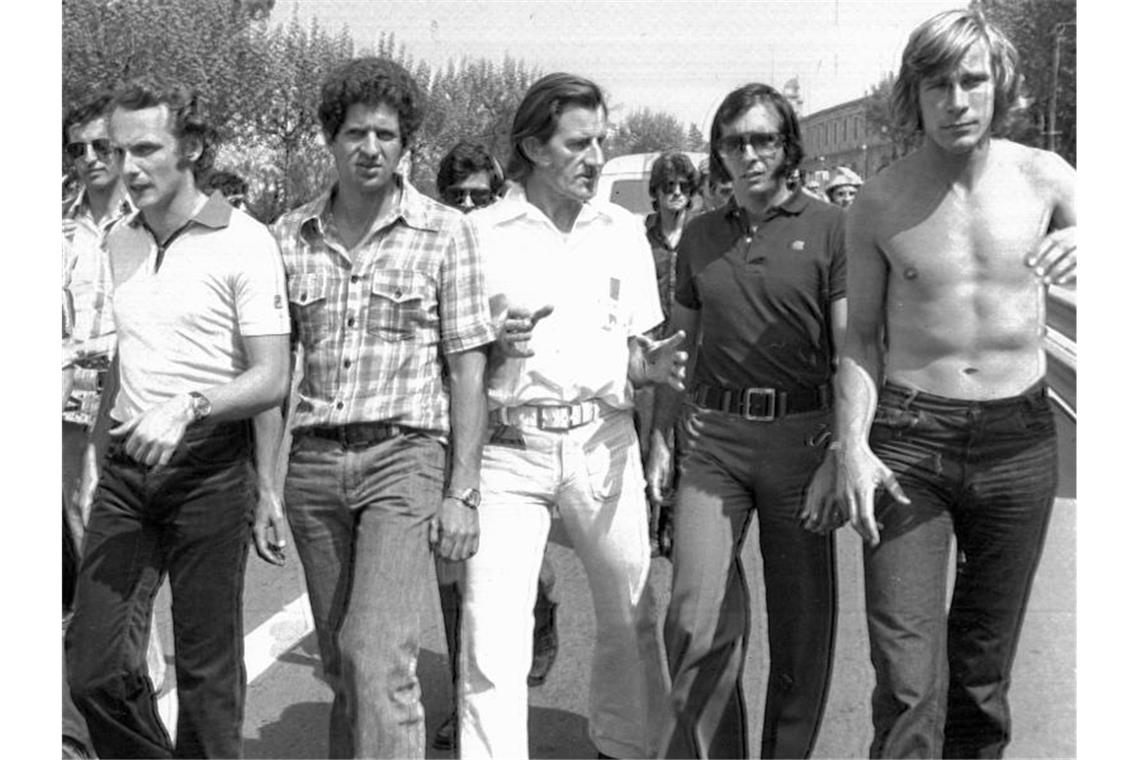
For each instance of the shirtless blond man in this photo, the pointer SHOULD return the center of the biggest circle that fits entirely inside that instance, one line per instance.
(941, 398)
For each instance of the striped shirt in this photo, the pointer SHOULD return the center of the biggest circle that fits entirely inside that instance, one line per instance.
(375, 326)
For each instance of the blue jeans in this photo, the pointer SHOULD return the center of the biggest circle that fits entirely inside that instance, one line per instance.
(191, 520)
(985, 473)
(360, 520)
(738, 468)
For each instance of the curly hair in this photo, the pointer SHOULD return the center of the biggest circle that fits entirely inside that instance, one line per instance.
(938, 45)
(739, 101)
(371, 81)
(187, 114)
(537, 115)
(465, 159)
(669, 167)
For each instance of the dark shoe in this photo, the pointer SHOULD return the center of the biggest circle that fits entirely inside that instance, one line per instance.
(545, 641)
(445, 736)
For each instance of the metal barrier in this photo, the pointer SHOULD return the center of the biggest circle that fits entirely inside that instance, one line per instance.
(1061, 348)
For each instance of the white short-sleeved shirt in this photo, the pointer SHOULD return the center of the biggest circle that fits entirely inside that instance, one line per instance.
(600, 280)
(180, 317)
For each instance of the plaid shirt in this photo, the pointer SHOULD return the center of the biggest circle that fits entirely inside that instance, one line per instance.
(374, 326)
(84, 268)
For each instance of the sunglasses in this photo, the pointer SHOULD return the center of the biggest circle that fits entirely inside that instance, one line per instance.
(78, 149)
(478, 196)
(684, 187)
(761, 142)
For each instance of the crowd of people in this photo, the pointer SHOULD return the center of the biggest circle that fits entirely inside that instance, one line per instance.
(470, 371)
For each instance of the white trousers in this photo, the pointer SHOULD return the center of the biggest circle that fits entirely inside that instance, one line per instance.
(591, 479)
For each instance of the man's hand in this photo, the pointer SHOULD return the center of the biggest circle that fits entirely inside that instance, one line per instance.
(1055, 258)
(454, 532)
(69, 226)
(153, 436)
(663, 362)
(822, 511)
(515, 331)
(658, 469)
(269, 527)
(858, 474)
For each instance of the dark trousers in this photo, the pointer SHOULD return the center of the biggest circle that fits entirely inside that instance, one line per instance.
(191, 520)
(984, 473)
(736, 469)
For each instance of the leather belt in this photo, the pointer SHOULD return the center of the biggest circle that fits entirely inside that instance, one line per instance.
(761, 404)
(354, 435)
(554, 417)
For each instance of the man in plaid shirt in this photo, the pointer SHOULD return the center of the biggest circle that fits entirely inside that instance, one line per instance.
(387, 296)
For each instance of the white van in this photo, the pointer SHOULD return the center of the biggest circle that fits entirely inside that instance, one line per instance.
(625, 180)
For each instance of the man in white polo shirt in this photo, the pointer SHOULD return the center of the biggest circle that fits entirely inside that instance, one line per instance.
(573, 288)
(197, 291)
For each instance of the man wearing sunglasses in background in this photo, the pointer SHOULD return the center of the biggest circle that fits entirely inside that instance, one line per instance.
(86, 218)
(761, 290)
(673, 191)
(469, 178)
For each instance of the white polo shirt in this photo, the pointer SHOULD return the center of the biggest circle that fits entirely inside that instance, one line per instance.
(600, 280)
(180, 317)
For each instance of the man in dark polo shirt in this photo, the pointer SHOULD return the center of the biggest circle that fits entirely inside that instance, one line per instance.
(760, 283)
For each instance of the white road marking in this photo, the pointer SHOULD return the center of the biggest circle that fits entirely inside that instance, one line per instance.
(264, 645)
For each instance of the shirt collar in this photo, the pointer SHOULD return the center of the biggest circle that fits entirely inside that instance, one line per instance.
(514, 204)
(80, 206)
(793, 206)
(414, 210)
(215, 213)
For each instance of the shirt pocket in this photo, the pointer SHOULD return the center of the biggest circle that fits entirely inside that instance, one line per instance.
(397, 303)
(310, 297)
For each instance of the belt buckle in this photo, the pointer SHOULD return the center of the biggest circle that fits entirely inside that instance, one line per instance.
(769, 397)
(558, 420)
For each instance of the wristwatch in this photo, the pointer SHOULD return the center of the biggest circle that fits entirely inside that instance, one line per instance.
(468, 496)
(200, 406)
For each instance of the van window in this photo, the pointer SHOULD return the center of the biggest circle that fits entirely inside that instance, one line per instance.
(632, 195)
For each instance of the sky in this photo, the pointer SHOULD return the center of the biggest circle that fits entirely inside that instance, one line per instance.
(677, 57)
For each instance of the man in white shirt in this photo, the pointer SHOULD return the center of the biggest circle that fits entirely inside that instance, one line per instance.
(197, 290)
(572, 286)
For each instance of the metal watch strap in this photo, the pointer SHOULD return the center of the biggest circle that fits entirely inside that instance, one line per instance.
(200, 406)
(469, 497)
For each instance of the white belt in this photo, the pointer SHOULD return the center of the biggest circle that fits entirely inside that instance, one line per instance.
(560, 417)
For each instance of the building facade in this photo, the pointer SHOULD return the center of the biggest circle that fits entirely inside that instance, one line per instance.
(840, 136)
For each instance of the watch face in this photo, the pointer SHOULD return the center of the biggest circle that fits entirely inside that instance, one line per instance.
(472, 498)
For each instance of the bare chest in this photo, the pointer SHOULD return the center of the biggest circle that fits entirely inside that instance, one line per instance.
(960, 239)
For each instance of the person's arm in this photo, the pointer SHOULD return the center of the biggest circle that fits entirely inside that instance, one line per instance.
(455, 531)
(153, 435)
(859, 472)
(821, 513)
(667, 403)
(1055, 258)
(269, 527)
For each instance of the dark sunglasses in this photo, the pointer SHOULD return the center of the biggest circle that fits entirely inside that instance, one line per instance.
(478, 196)
(78, 149)
(761, 142)
(685, 187)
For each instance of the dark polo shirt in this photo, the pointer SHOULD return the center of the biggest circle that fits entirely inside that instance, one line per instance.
(764, 299)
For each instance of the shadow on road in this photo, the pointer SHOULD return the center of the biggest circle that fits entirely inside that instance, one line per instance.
(301, 732)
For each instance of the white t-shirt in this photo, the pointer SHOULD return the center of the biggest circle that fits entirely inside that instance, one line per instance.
(600, 280)
(180, 327)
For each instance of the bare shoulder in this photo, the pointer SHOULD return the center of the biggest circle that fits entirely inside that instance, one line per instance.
(1043, 169)
(891, 194)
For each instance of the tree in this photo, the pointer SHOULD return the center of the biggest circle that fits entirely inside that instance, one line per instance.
(646, 131)
(1041, 30)
(877, 113)
(695, 141)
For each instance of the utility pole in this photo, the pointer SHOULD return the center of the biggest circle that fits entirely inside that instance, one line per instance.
(1051, 134)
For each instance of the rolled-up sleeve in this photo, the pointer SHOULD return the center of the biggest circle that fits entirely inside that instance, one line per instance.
(465, 317)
